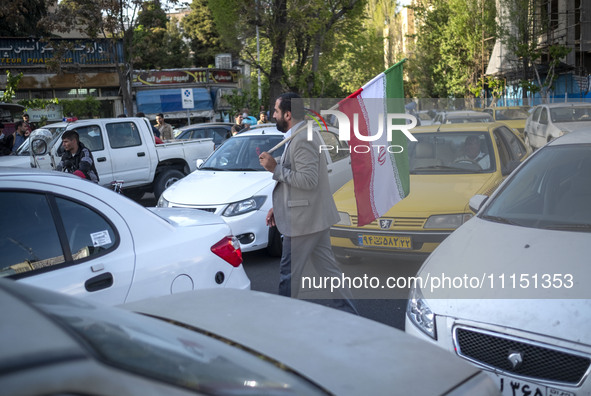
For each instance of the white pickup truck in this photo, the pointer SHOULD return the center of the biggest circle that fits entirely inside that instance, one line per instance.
(124, 150)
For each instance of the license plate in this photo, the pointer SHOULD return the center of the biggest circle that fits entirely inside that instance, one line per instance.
(387, 241)
(513, 387)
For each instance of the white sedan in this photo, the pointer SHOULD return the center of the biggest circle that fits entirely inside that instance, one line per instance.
(61, 232)
(508, 290)
(239, 342)
(233, 184)
(549, 121)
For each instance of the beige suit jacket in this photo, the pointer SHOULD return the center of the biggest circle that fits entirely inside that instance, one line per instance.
(302, 202)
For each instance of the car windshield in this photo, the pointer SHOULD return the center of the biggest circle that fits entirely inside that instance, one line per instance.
(552, 191)
(163, 352)
(451, 153)
(241, 153)
(511, 114)
(570, 114)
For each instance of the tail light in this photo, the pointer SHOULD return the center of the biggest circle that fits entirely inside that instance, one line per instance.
(229, 249)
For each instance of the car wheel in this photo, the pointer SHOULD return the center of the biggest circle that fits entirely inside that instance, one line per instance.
(275, 245)
(166, 179)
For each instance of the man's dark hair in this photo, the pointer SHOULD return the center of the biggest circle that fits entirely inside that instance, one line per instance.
(25, 115)
(71, 134)
(160, 115)
(140, 114)
(288, 101)
(18, 124)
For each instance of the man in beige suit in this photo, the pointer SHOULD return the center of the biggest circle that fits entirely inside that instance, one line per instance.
(303, 207)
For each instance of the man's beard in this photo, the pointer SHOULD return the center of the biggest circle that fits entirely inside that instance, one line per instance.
(282, 125)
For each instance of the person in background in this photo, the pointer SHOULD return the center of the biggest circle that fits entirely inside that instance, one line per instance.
(29, 125)
(164, 128)
(19, 135)
(6, 141)
(77, 159)
(155, 130)
(263, 119)
(238, 118)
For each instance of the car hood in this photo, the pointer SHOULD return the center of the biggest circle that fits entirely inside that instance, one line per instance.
(346, 354)
(482, 249)
(216, 187)
(452, 191)
(180, 217)
(573, 126)
(19, 161)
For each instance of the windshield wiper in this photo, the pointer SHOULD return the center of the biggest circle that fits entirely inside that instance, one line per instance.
(566, 226)
(211, 168)
(499, 219)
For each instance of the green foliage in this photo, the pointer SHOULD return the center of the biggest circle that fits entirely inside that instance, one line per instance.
(37, 103)
(451, 51)
(20, 18)
(200, 27)
(82, 108)
(524, 34)
(158, 43)
(12, 82)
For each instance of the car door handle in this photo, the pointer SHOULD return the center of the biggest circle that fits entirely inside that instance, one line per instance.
(141, 154)
(99, 282)
(101, 159)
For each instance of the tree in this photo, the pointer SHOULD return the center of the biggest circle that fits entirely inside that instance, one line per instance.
(200, 28)
(20, 18)
(114, 20)
(523, 25)
(158, 43)
(447, 58)
(296, 29)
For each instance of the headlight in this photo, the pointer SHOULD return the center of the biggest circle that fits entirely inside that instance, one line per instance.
(162, 203)
(245, 206)
(344, 219)
(420, 314)
(447, 221)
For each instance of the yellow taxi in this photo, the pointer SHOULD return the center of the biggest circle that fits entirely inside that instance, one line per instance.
(513, 116)
(448, 164)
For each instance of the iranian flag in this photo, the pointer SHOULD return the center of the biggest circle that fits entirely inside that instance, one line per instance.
(380, 167)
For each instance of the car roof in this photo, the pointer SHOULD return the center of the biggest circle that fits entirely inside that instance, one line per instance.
(462, 127)
(267, 129)
(577, 137)
(204, 125)
(564, 104)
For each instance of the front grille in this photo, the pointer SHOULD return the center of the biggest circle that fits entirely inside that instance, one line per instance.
(206, 209)
(397, 222)
(211, 210)
(538, 361)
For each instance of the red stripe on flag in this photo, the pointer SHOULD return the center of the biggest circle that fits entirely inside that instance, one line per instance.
(361, 161)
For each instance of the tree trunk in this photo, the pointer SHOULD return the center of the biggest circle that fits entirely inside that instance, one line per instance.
(278, 41)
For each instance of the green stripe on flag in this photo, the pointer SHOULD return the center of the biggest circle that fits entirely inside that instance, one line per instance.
(395, 92)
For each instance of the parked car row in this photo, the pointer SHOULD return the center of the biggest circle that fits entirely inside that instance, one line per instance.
(526, 323)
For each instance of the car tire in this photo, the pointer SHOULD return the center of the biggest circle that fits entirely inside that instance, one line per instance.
(275, 245)
(166, 179)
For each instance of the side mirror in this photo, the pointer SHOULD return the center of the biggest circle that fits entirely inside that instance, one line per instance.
(476, 202)
(199, 163)
(39, 147)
